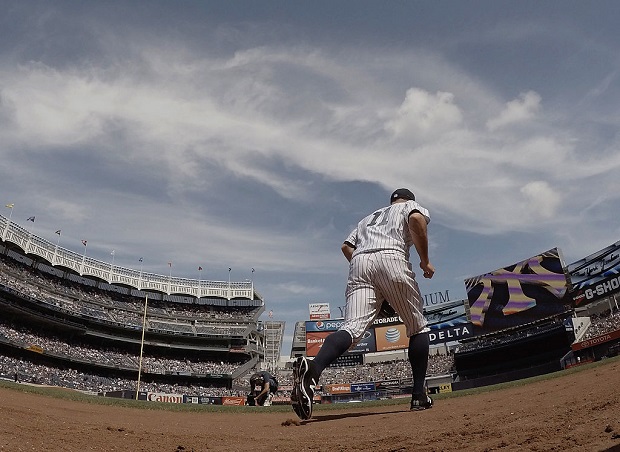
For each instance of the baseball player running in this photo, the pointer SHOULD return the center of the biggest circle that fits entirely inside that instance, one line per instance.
(379, 270)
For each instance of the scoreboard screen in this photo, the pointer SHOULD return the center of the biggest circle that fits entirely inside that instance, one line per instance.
(529, 290)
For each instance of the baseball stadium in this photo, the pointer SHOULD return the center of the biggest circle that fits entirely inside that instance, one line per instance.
(95, 356)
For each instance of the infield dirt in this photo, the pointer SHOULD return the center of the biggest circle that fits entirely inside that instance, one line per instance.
(575, 411)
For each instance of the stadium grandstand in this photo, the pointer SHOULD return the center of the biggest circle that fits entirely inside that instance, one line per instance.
(73, 321)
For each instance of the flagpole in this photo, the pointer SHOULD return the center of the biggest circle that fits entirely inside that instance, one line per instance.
(146, 301)
(199, 293)
(141, 260)
(54, 259)
(252, 284)
(29, 236)
(112, 266)
(85, 243)
(170, 278)
(6, 229)
(229, 270)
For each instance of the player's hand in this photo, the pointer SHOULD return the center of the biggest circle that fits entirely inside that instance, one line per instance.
(428, 269)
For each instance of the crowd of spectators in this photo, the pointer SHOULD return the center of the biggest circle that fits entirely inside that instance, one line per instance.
(600, 324)
(507, 336)
(438, 364)
(603, 323)
(106, 356)
(24, 371)
(124, 310)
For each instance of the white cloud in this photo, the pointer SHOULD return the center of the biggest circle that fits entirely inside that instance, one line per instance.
(518, 110)
(541, 199)
(68, 211)
(424, 115)
(297, 288)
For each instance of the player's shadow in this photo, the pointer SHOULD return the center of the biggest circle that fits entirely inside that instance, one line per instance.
(335, 417)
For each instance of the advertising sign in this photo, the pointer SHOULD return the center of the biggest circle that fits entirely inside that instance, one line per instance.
(593, 292)
(233, 401)
(316, 332)
(383, 384)
(607, 337)
(392, 337)
(450, 334)
(165, 398)
(319, 311)
(337, 388)
(362, 387)
(366, 344)
(595, 276)
(323, 325)
(446, 315)
(314, 341)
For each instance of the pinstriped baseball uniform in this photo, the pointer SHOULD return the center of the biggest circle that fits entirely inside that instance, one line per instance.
(380, 270)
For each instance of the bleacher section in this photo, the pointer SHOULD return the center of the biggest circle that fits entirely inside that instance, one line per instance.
(57, 328)
(517, 353)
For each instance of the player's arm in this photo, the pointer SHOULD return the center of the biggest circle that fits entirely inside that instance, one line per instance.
(349, 246)
(347, 249)
(264, 391)
(418, 230)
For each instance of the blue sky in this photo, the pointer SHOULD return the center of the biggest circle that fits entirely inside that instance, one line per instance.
(255, 134)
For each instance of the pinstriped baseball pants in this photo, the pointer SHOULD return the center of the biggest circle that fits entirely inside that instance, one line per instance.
(375, 278)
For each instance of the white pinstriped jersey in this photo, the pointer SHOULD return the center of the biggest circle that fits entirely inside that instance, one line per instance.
(386, 229)
(380, 270)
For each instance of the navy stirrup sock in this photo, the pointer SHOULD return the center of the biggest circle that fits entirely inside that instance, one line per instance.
(335, 345)
(418, 357)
